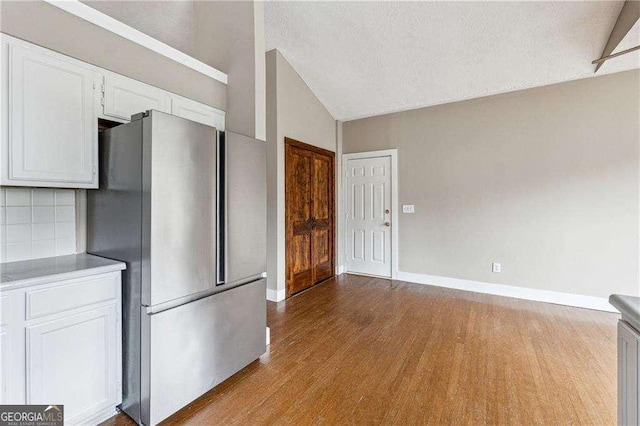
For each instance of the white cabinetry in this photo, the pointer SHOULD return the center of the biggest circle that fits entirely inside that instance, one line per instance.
(61, 344)
(51, 104)
(195, 111)
(49, 135)
(12, 349)
(628, 375)
(124, 97)
(74, 353)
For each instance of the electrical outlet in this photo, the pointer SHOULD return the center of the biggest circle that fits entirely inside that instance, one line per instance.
(408, 208)
(496, 268)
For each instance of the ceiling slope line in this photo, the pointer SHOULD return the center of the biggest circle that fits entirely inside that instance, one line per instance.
(629, 15)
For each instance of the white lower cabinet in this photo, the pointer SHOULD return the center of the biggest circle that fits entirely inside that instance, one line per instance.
(13, 348)
(71, 356)
(628, 375)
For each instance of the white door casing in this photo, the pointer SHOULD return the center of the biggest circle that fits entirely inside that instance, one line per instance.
(371, 201)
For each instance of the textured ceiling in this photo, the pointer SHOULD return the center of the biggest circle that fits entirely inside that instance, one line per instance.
(369, 58)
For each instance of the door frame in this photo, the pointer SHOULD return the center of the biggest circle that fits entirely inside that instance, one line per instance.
(334, 202)
(393, 153)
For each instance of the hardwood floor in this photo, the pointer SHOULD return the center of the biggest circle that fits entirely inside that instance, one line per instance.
(361, 350)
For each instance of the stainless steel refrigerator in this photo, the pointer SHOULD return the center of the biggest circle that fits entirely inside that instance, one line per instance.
(185, 207)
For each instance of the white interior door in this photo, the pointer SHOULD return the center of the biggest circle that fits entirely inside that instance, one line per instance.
(369, 216)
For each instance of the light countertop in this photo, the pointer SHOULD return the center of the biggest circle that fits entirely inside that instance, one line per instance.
(629, 307)
(39, 271)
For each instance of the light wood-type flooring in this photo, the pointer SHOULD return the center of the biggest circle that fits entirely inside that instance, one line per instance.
(361, 350)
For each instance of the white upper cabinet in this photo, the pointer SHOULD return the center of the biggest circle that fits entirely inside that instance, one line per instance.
(124, 97)
(195, 111)
(50, 106)
(51, 136)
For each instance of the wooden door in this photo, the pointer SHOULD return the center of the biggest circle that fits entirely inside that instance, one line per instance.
(309, 212)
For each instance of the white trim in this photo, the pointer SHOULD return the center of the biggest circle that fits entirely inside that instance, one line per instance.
(275, 295)
(395, 217)
(90, 14)
(268, 336)
(548, 296)
(340, 270)
(101, 416)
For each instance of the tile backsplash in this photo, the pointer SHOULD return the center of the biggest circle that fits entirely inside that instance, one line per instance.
(36, 222)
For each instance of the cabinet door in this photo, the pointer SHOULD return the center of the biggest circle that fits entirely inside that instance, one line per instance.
(124, 97)
(73, 361)
(12, 348)
(200, 113)
(52, 135)
(628, 375)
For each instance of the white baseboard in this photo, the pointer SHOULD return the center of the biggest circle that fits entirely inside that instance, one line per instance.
(275, 295)
(101, 416)
(576, 300)
(340, 270)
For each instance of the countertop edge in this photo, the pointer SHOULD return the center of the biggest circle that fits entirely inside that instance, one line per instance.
(45, 279)
(627, 307)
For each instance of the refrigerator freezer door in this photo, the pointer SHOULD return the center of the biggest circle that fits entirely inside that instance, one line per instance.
(179, 208)
(246, 207)
(189, 349)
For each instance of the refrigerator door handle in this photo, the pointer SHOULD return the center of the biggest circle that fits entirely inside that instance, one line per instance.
(221, 209)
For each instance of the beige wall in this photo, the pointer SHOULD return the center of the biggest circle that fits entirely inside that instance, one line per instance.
(544, 181)
(292, 111)
(50, 27)
(171, 22)
(230, 37)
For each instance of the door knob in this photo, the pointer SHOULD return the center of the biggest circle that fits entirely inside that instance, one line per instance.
(387, 224)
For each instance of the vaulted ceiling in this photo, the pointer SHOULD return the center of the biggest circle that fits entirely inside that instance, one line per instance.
(370, 58)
